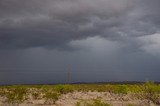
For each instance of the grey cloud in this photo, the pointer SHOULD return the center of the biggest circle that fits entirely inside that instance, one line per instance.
(99, 40)
(53, 23)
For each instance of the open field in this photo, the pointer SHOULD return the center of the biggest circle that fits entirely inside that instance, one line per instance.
(147, 94)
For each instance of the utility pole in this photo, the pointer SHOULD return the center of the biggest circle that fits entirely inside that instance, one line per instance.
(69, 76)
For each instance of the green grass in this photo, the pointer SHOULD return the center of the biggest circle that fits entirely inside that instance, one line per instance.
(19, 93)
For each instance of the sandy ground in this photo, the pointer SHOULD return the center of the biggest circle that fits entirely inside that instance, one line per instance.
(71, 99)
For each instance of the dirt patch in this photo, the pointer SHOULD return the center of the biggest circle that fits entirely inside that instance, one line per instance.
(70, 99)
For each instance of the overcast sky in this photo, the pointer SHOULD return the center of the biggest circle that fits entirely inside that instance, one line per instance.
(97, 40)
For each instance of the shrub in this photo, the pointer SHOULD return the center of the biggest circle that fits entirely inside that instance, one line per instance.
(51, 96)
(35, 95)
(63, 89)
(95, 102)
(151, 92)
(78, 104)
(130, 104)
(123, 89)
(16, 95)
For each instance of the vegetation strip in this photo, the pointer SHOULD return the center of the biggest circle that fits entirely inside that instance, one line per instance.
(20, 93)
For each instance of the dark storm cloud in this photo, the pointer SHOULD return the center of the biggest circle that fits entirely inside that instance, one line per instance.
(54, 23)
(98, 40)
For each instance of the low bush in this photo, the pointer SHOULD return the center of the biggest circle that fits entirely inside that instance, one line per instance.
(130, 104)
(151, 92)
(95, 102)
(120, 89)
(63, 89)
(51, 96)
(17, 95)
